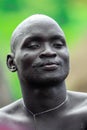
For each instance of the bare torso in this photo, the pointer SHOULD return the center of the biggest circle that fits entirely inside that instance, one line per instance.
(71, 116)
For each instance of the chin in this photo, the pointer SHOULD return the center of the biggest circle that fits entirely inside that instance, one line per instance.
(43, 82)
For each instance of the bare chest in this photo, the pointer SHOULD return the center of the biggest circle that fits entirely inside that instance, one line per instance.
(73, 123)
(53, 122)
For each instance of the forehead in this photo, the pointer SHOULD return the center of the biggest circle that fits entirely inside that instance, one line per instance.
(36, 26)
(41, 29)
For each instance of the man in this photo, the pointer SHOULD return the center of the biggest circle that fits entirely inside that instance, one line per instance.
(40, 56)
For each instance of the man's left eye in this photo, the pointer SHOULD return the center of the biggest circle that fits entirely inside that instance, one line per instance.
(57, 44)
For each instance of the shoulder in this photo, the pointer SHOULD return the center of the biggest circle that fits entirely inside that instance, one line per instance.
(14, 116)
(13, 107)
(77, 95)
(77, 98)
(77, 103)
(13, 113)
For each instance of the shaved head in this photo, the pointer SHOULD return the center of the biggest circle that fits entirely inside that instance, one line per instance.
(26, 24)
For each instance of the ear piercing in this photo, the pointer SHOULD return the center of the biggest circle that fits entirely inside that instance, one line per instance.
(13, 67)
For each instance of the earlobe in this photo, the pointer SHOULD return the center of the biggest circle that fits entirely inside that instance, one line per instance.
(10, 63)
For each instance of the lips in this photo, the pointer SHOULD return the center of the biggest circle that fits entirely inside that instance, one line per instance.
(50, 66)
(47, 65)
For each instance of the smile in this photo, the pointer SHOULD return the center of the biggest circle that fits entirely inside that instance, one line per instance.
(47, 65)
(50, 67)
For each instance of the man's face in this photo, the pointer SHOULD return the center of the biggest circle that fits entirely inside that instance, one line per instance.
(41, 54)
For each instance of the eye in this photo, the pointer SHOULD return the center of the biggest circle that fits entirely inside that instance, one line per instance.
(33, 45)
(57, 44)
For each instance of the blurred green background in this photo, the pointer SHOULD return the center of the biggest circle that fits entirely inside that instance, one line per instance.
(72, 17)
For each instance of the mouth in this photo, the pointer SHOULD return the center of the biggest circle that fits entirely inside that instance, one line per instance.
(49, 66)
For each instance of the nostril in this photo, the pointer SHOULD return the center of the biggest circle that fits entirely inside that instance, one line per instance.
(47, 54)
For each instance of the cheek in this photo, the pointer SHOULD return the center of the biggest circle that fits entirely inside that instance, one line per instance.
(66, 64)
(25, 60)
(65, 56)
(65, 60)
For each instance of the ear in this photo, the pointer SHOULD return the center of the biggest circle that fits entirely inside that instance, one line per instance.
(10, 63)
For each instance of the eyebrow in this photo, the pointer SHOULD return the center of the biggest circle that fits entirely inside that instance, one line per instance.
(58, 37)
(30, 38)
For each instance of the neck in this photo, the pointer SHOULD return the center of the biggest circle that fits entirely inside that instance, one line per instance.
(41, 99)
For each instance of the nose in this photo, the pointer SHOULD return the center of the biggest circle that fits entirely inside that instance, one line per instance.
(48, 52)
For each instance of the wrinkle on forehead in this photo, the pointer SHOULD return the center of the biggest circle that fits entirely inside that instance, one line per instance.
(30, 21)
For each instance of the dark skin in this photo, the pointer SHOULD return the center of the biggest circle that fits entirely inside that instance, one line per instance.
(41, 59)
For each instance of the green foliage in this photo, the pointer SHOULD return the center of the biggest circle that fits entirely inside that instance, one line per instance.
(11, 5)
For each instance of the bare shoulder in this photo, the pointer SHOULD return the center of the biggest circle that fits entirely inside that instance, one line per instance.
(78, 98)
(13, 116)
(12, 110)
(77, 103)
(77, 95)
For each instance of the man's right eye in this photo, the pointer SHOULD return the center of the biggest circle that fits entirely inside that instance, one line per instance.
(33, 45)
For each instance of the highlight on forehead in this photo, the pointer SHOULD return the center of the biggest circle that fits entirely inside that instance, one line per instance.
(20, 29)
